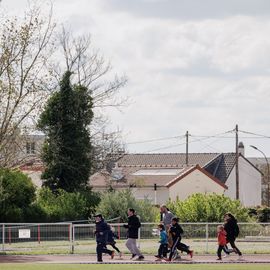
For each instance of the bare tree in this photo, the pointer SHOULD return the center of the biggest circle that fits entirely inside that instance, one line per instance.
(91, 70)
(25, 47)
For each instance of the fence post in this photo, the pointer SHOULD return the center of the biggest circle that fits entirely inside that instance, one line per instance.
(72, 237)
(38, 232)
(207, 237)
(3, 237)
(139, 237)
(9, 235)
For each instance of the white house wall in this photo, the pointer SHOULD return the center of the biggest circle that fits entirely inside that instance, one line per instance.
(162, 194)
(249, 184)
(195, 182)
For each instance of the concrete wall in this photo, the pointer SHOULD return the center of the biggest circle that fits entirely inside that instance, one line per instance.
(195, 182)
(250, 186)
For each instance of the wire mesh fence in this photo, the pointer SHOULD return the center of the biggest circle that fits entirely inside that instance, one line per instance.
(61, 238)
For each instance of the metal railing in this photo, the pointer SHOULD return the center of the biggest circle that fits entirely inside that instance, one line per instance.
(56, 238)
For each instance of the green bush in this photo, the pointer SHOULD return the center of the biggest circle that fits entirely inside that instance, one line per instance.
(207, 208)
(115, 204)
(261, 213)
(17, 193)
(66, 206)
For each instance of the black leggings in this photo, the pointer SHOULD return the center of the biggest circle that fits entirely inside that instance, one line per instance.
(114, 247)
(234, 247)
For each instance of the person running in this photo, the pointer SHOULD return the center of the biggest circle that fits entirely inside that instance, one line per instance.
(222, 241)
(102, 230)
(232, 230)
(176, 231)
(166, 218)
(163, 247)
(132, 234)
(111, 241)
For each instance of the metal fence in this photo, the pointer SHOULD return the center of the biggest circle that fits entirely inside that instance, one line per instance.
(59, 238)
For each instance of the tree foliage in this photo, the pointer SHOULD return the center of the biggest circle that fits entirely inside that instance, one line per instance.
(116, 203)
(17, 193)
(65, 121)
(207, 208)
(66, 206)
(25, 47)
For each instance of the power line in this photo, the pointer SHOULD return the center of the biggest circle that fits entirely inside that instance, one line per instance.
(251, 133)
(156, 140)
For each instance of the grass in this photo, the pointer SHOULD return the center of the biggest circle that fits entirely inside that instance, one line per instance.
(134, 267)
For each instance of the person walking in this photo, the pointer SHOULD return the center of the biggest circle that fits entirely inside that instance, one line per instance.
(102, 230)
(132, 234)
(232, 230)
(222, 241)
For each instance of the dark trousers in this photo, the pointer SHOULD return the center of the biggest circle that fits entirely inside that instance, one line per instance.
(234, 247)
(178, 245)
(220, 248)
(163, 250)
(114, 247)
(101, 248)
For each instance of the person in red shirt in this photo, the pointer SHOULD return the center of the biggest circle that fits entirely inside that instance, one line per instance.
(222, 241)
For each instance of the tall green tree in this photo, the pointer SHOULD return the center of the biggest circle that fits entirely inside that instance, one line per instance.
(66, 152)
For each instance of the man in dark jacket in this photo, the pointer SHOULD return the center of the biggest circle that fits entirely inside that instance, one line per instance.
(102, 230)
(132, 234)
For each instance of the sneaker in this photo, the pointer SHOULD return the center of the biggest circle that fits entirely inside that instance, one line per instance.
(133, 256)
(240, 257)
(191, 253)
(157, 256)
(112, 255)
(120, 254)
(218, 259)
(140, 258)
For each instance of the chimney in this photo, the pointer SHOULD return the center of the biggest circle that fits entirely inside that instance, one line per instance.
(241, 149)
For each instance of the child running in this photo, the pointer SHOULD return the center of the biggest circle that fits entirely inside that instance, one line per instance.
(176, 231)
(111, 241)
(222, 241)
(163, 247)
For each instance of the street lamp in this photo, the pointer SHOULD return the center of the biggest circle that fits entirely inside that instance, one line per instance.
(268, 170)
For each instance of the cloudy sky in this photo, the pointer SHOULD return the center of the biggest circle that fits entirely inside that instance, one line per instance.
(201, 66)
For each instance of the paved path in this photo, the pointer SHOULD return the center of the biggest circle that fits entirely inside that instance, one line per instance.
(91, 259)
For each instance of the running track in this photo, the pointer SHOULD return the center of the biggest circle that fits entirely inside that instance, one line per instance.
(91, 259)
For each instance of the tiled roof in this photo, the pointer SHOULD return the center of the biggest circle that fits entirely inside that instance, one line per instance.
(222, 166)
(216, 164)
(173, 160)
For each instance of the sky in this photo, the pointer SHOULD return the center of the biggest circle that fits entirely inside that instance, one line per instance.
(196, 66)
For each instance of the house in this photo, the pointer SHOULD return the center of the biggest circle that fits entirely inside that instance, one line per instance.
(166, 175)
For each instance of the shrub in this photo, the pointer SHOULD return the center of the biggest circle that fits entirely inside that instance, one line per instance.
(66, 206)
(207, 208)
(115, 204)
(17, 193)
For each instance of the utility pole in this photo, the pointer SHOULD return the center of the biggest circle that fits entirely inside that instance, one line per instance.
(236, 163)
(187, 148)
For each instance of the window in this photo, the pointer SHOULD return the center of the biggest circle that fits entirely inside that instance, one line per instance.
(30, 148)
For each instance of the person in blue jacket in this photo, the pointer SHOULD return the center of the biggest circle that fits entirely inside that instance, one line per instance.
(102, 230)
(163, 247)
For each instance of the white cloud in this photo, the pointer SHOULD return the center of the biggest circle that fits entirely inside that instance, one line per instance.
(199, 72)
